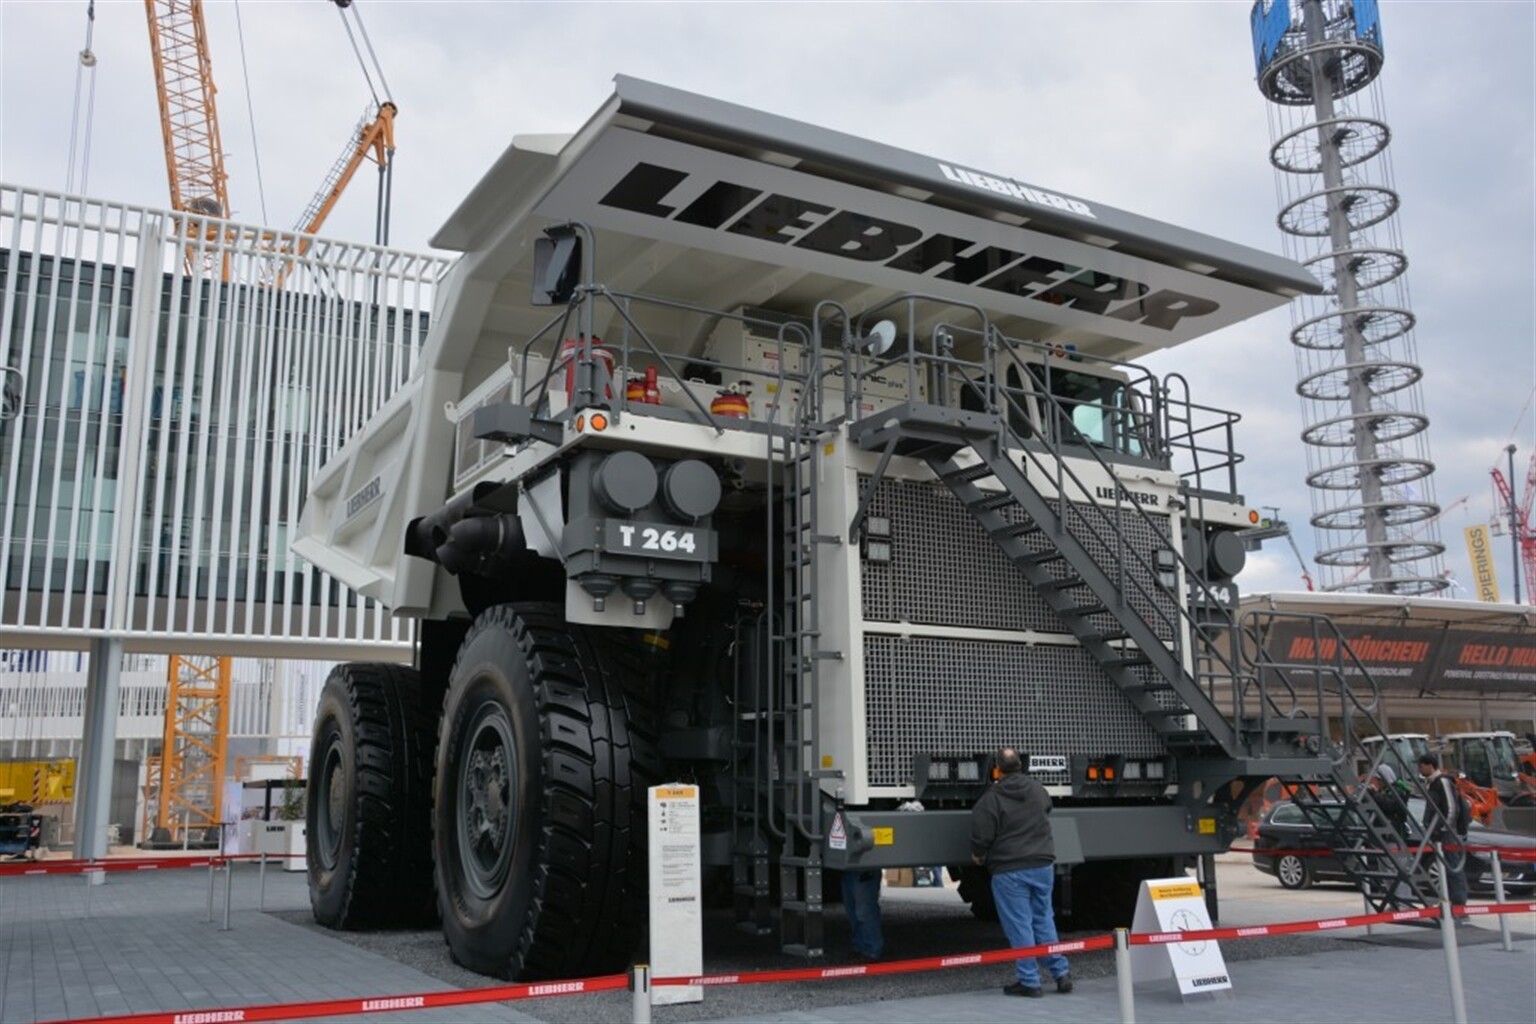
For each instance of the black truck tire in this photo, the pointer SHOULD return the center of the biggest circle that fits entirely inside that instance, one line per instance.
(545, 752)
(369, 808)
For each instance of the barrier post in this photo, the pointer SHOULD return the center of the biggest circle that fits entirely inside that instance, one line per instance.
(1498, 894)
(1123, 979)
(229, 882)
(210, 889)
(87, 875)
(186, 836)
(261, 884)
(640, 993)
(1452, 962)
(1444, 882)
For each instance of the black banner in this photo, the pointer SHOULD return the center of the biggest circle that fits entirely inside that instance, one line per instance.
(1413, 657)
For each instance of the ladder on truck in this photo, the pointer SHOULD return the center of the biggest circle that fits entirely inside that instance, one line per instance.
(1175, 661)
(780, 736)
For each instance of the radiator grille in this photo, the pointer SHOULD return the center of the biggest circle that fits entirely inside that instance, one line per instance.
(945, 569)
(962, 697)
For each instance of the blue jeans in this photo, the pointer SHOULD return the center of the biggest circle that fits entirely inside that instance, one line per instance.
(1023, 900)
(861, 901)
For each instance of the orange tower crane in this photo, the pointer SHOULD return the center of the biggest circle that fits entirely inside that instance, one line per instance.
(189, 123)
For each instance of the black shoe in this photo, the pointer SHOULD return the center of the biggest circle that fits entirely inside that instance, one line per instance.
(865, 958)
(1018, 989)
(1064, 984)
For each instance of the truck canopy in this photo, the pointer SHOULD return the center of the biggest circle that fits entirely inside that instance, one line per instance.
(719, 205)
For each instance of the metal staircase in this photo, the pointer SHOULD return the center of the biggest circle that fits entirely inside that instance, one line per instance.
(1392, 868)
(1074, 552)
(1170, 657)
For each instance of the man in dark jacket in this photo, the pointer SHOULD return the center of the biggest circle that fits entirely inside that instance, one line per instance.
(1445, 825)
(1011, 836)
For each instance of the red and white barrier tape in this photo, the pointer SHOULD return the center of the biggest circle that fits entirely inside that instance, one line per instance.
(931, 963)
(376, 1004)
(613, 982)
(80, 867)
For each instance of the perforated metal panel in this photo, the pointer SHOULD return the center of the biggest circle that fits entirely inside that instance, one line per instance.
(963, 697)
(946, 570)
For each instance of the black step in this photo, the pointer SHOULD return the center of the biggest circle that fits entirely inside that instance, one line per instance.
(969, 474)
(993, 501)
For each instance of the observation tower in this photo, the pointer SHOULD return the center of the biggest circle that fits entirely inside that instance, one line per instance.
(1364, 425)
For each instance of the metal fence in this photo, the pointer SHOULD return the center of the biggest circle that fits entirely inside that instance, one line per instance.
(182, 379)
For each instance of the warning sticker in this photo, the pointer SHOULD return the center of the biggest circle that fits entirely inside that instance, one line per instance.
(837, 839)
(1174, 892)
(884, 836)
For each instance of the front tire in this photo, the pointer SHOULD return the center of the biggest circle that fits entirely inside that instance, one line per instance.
(545, 752)
(1293, 872)
(369, 809)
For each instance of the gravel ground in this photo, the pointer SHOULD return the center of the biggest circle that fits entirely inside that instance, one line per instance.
(918, 923)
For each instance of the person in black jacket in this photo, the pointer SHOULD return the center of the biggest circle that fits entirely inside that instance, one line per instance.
(1011, 836)
(1384, 793)
(1445, 826)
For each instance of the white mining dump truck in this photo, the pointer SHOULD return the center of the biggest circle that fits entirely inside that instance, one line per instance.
(810, 471)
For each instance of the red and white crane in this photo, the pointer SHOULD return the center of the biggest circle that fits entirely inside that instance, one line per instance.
(1518, 520)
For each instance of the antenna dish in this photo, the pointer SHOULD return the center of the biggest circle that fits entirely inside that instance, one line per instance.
(880, 339)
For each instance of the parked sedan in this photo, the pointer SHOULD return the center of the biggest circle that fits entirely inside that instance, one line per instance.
(1286, 828)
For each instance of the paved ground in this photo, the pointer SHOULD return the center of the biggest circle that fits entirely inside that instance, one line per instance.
(142, 943)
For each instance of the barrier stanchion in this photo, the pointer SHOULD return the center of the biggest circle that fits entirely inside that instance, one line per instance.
(1452, 962)
(210, 889)
(261, 884)
(1498, 895)
(88, 884)
(229, 883)
(1123, 980)
(640, 993)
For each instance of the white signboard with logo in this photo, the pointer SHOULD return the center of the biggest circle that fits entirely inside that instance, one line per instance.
(1177, 905)
(677, 913)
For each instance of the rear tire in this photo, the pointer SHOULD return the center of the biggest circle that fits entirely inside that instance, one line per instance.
(369, 808)
(539, 829)
(1293, 872)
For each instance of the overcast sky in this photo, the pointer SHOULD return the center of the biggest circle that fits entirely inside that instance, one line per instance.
(1150, 107)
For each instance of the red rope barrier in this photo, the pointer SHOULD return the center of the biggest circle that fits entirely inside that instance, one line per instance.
(931, 963)
(377, 1004)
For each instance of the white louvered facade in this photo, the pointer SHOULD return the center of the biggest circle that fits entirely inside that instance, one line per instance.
(183, 379)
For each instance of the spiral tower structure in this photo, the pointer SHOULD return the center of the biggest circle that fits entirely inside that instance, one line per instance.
(1364, 426)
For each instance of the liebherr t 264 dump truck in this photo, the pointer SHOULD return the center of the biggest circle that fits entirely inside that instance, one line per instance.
(809, 471)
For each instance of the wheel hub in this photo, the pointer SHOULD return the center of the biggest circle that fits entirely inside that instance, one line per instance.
(486, 787)
(331, 813)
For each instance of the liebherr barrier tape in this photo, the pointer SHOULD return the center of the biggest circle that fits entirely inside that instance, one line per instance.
(931, 963)
(613, 982)
(376, 1004)
(1505, 853)
(80, 867)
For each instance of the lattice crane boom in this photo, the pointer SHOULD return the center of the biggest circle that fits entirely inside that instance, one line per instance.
(189, 120)
(1518, 518)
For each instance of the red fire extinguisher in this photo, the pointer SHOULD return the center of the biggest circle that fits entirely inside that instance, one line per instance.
(643, 390)
(731, 403)
(602, 356)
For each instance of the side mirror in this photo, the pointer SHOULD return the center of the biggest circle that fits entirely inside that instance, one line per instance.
(880, 339)
(556, 267)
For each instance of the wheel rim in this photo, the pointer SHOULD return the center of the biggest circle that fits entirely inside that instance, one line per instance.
(330, 814)
(487, 812)
(1291, 870)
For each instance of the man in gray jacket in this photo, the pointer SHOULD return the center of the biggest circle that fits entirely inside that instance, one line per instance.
(1011, 836)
